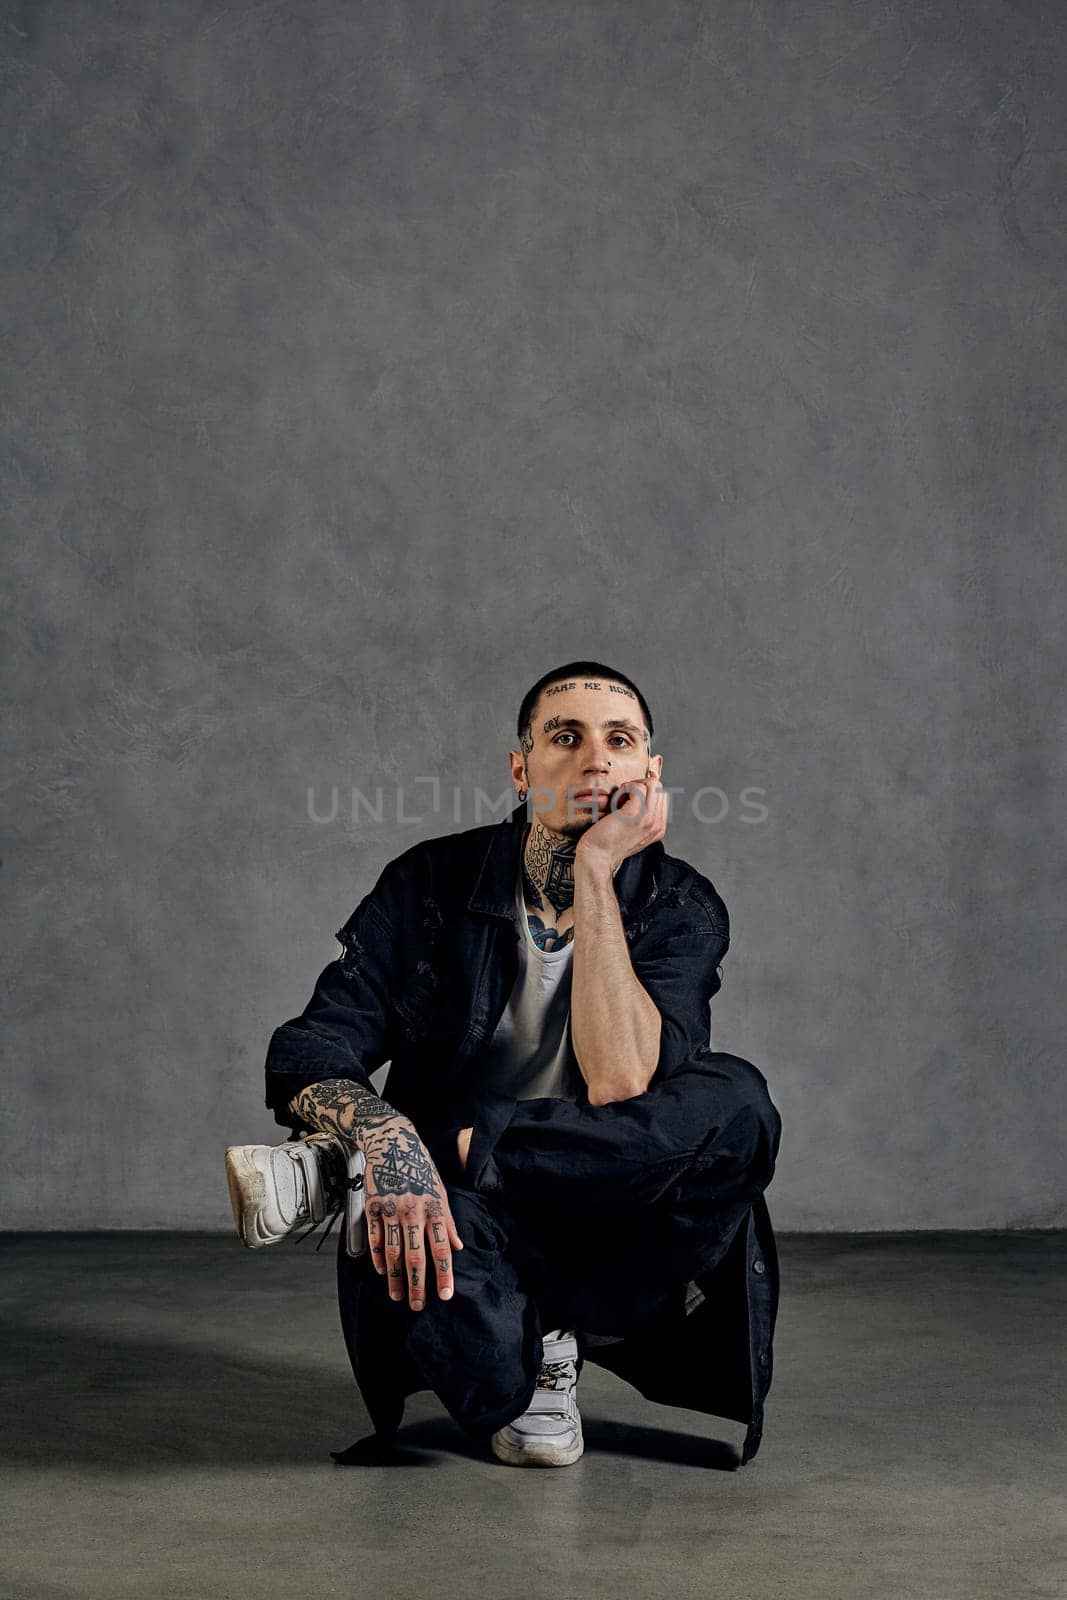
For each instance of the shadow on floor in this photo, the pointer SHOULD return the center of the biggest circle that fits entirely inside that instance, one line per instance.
(635, 1441)
(79, 1399)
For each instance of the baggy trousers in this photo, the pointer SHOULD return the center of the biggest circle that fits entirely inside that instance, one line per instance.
(572, 1216)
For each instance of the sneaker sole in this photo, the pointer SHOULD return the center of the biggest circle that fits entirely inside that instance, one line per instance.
(537, 1455)
(247, 1193)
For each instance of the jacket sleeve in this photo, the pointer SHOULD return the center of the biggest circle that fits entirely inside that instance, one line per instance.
(679, 973)
(346, 1028)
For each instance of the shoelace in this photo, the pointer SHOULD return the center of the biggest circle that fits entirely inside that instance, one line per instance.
(333, 1215)
(337, 1189)
(561, 1376)
(551, 1371)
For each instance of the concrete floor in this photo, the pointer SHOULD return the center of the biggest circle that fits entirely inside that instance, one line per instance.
(171, 1400)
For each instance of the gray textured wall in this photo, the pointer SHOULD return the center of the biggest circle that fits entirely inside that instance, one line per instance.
(365, 361)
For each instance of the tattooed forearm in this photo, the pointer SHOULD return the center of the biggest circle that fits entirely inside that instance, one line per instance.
(343, 1107)
(398, 1163)
(410, 1226)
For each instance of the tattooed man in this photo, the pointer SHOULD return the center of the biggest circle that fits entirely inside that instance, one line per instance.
(557, 1145)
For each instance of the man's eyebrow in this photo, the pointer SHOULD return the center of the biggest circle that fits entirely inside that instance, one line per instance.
(609, 722)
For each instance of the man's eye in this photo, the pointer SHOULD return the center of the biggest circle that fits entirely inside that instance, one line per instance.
(566, 735)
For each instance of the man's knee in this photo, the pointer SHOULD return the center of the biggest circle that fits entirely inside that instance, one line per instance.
(755, 1094)
(747, 1109)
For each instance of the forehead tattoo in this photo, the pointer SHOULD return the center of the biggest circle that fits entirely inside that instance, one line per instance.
(592, 683)
(572, 722)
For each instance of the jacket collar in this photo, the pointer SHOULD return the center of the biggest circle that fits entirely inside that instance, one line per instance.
(636, 882)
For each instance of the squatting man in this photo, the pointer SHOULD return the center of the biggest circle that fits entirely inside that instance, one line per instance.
(579, 1027)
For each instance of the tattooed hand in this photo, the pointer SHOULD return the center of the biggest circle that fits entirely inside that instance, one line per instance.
(405, 1200)
(410, 1228)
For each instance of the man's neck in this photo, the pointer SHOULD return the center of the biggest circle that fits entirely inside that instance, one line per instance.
(548, 868)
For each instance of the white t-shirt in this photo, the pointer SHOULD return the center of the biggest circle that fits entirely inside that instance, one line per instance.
(530, 1055)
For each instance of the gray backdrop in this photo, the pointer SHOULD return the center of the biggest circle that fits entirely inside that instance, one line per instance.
(364, 362)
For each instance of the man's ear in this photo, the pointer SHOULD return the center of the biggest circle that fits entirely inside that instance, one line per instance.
(655, 764)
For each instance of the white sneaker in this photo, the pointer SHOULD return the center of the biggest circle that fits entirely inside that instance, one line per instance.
(549, 1432)
(274, 1188)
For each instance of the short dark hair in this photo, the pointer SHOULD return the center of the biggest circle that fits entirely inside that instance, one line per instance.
(577, 669)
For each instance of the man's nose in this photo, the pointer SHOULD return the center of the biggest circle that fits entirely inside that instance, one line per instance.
(597, 763)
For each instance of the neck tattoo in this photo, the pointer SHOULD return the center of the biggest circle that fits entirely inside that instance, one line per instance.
(548, 879)
(548, 867)
(548, 876)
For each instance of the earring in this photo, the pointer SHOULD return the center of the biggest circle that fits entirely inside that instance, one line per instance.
(522, 795)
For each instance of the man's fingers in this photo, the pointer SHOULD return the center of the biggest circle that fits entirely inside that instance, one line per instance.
(376, 1235)
(439, 1256)
(428, 1253)
(394, 1258)
(412, 1224)
(411, 1245)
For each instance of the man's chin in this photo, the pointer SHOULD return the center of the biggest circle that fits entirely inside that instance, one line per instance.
(573, 828)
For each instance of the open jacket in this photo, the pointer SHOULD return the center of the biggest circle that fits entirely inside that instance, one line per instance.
(429, 960)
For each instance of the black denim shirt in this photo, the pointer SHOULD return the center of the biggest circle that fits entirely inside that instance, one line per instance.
(430, 957)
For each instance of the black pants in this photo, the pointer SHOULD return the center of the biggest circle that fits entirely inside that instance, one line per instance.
(581, 1217)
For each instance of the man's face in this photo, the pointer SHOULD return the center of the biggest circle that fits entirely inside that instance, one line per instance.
(574, 747)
